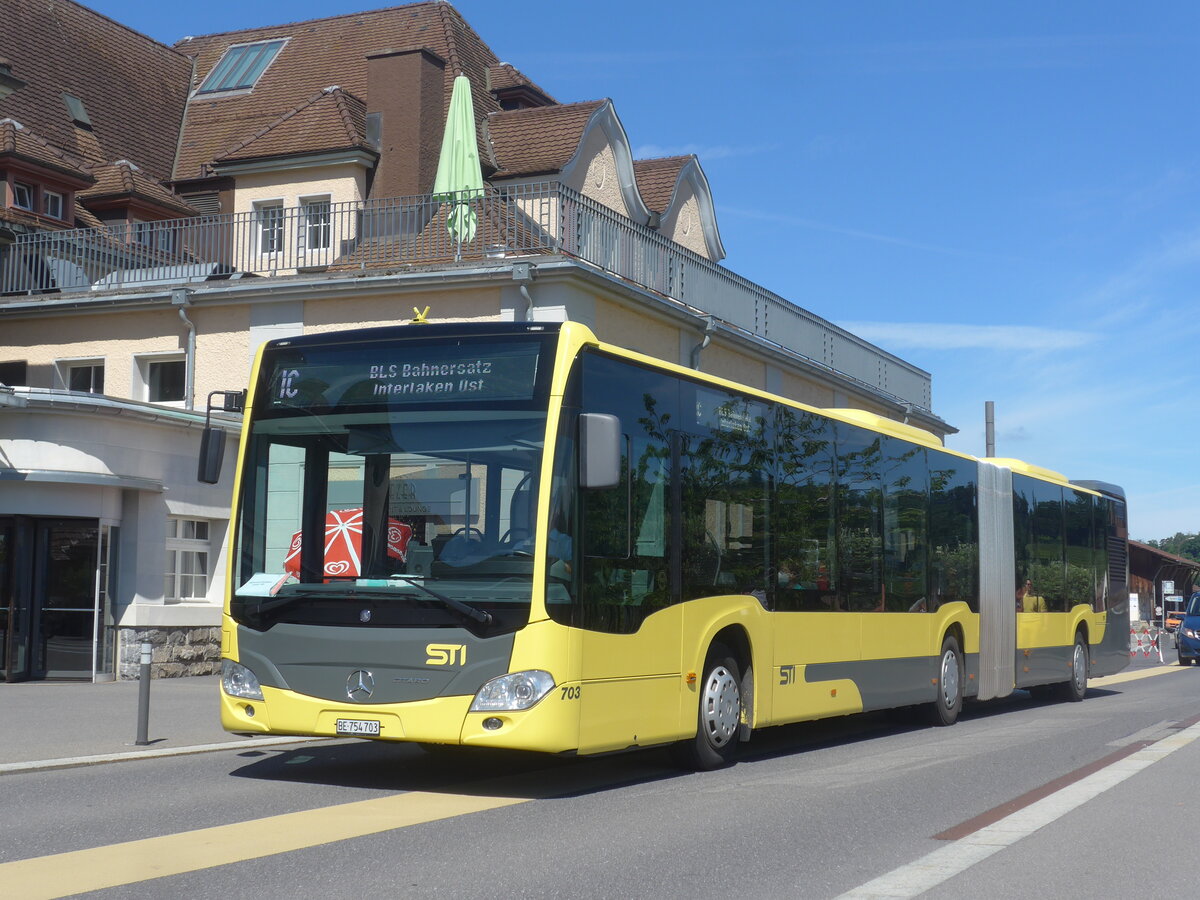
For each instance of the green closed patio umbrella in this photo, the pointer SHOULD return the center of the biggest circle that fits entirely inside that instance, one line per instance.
(459, 179)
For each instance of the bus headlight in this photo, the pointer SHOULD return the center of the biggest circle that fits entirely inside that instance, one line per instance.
(519, 690)
(238, 681)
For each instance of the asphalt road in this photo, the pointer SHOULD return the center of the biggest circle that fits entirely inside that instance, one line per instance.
(812, 810)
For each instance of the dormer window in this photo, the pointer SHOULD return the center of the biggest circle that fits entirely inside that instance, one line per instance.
(23, 196)
(52, 204)
(240, 67)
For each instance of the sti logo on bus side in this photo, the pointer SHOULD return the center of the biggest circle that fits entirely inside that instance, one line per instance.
(446, 654)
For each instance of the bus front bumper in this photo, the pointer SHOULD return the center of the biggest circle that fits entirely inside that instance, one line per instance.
(550, 726)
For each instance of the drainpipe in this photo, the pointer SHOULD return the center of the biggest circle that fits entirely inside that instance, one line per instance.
(522, 274)
(179, 299)
(709, 328)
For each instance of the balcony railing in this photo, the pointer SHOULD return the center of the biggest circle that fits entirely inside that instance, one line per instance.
(526, 220)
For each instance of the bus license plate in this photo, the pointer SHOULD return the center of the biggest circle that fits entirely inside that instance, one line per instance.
(357, 726)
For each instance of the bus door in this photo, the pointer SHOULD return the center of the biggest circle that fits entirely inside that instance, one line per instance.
(627, 609)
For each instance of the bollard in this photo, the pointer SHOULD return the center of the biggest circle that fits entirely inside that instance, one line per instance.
(143, 725)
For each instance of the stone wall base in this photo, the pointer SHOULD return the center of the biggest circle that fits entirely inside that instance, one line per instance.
(175, 652)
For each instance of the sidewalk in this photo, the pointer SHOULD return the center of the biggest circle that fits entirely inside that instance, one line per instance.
(45, 720)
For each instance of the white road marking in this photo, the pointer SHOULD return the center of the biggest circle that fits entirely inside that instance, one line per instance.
(942, 864)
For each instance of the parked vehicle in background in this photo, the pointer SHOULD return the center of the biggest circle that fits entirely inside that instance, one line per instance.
(1187, 636)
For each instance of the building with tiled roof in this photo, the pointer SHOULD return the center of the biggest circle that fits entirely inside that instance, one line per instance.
(166, 210)
(130, 89)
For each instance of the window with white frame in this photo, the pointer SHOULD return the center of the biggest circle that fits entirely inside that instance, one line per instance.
(23, 196)
(317, 215)
(164, 378)
(156, 235)
(270, 224)
(188, 551)
(84, 375)
(52, 204)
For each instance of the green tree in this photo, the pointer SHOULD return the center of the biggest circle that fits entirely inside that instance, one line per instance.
(1182, 544)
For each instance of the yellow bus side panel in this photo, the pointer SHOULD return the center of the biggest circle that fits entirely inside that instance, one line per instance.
(706, 618)
(629, 690)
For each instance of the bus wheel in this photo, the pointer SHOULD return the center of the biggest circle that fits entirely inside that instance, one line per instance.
(948, 703)
(719, 716)
(1074, 689)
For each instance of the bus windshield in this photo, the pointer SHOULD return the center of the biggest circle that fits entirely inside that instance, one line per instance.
(368, 508)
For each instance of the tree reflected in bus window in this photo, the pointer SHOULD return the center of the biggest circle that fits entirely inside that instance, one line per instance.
(953, 530)
(625, 578)
(723, 465)
(806, 549)
(859, 518)
(905, 482)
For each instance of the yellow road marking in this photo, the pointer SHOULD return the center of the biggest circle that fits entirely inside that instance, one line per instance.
(63, 874)
(1121, 677)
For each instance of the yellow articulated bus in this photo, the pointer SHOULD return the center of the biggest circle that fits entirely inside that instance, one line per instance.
(518, 536)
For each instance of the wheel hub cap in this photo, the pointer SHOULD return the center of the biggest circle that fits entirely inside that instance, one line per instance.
(949, 679)
(722, 706)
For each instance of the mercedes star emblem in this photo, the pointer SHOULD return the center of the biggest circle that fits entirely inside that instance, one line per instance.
(360, 685)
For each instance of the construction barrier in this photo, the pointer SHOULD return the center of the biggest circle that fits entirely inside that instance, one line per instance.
(1145, 642)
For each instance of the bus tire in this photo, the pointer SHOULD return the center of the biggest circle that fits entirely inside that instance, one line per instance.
(949, 700)
(1074, 689)
(718, 717)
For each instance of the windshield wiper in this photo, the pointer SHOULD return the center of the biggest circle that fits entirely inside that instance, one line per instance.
(482, 616)
(332, 592)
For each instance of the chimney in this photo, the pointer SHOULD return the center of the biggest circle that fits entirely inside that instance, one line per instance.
(406, 107)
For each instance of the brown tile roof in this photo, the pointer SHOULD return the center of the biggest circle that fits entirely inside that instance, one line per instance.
(125, 181)
(21, 142)
(331, 119)
(24, 217)
(506, 77)
(318, 53)
(540, 140)
(656, 179)
(134, 88)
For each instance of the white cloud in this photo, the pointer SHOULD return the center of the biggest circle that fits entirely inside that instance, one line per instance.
(705, 152)
(950, 336)
(800, 222)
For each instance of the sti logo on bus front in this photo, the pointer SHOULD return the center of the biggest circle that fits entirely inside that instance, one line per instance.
(446, 654)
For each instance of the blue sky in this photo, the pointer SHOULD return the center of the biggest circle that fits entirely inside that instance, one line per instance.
(1006, 194)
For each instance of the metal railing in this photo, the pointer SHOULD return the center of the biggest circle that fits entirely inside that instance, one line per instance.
(504, 222)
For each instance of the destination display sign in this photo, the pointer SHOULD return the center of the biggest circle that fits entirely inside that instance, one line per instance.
(333, 377)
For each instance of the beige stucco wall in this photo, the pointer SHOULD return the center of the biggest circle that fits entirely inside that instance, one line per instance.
(806, 390)
(601, 181)
(734, 365)
(114, 339)
(341, 183)
(620, 325)
(683, 224)
(455, 304)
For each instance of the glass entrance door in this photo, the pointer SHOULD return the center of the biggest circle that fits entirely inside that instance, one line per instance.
(64, 597)
(15, 620)
(48, 597)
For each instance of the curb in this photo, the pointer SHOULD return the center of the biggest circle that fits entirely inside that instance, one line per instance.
(71, 762)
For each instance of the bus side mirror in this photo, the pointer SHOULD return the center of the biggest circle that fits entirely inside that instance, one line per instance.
(212, 439)
(212, 453)
(599, 450)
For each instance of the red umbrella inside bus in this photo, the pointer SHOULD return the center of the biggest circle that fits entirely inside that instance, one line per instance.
(343, 544)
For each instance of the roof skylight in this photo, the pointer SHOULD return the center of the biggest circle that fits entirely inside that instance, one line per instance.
(240, 67)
